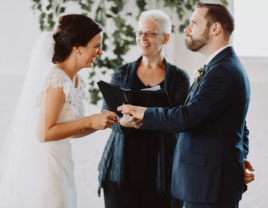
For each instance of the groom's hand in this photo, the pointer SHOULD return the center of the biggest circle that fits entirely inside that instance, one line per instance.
(129, 121)
(248, 177)
(137, 112)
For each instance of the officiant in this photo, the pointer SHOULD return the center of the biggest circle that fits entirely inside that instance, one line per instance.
(136, 166)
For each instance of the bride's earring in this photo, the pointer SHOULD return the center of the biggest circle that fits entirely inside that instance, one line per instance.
(78, 53)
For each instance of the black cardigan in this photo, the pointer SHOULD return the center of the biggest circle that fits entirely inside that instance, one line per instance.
(112, 166)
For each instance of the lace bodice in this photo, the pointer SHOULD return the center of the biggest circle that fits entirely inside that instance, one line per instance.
(73, 96)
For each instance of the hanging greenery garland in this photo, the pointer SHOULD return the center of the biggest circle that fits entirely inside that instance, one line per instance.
(109, 12)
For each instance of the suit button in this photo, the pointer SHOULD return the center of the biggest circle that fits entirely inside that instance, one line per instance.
(150, 126)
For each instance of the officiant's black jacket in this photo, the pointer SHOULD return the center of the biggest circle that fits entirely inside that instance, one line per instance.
(208, 160)
(112, 165)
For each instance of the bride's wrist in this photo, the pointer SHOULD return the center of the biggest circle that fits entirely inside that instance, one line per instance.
(88, 122)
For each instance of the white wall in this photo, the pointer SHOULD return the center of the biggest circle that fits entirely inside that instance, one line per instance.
(19, 30)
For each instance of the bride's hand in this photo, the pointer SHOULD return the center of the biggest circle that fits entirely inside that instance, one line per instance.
(102, 121)
(112, 115)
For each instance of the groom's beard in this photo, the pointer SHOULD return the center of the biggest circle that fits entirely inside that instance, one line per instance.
(197, 43)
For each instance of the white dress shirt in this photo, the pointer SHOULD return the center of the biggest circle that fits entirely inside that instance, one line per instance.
(216, 53)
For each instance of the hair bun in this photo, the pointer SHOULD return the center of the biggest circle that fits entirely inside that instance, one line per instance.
(65, 19)
(73, 29)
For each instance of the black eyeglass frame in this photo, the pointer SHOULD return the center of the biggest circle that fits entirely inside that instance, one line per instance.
(148, 34)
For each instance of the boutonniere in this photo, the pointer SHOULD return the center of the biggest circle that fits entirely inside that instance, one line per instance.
(197, 75)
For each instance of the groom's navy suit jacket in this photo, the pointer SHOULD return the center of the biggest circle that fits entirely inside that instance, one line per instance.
(208, 160)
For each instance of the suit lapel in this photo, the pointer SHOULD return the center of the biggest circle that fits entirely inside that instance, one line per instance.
(189, 95)
(226, 52)
(191, 89)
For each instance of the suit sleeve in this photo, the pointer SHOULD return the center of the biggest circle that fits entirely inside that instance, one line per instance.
(115, 81)
(209, 100)
(246, 141)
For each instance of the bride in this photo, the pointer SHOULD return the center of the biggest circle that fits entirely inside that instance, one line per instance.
(36, 166)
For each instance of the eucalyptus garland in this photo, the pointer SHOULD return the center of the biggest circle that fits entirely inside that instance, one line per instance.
(108, 12)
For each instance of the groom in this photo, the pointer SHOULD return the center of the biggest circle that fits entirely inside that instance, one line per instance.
(213, 144)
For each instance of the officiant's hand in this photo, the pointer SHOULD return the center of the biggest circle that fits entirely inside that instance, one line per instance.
(248, 177)
(130, 121)
(137, 112)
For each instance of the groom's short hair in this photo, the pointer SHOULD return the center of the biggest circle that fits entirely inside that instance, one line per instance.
(218, 13)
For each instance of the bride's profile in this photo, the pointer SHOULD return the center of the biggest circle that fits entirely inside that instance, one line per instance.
(36, 166)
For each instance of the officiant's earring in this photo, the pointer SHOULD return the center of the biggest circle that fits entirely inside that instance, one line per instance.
(165, 51)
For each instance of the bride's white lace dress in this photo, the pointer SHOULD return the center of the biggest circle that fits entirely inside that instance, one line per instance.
(60, 190)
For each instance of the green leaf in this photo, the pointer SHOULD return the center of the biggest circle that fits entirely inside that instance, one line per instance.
(92, 74)
(119, 4)
(183, 26)
(49, 7)
(188, 6)
(129, 31)
(115, 10)
(91, 83)
(42, 16)
(33, 6)
(39, 7)
(108, 15)
(94, 97)
(224, 2)
(180, 12)
(62, 10)
(119, 22)
(141, 4)
(195, 2)
(41, 21)
(50, 17)
(86, 7)
(57, 9)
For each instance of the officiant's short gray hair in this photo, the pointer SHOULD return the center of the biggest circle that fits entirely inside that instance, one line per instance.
(159, 17)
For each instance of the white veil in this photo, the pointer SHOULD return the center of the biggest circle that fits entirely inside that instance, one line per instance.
(22, 153)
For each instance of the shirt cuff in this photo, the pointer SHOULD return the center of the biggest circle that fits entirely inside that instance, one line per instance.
(148, 118)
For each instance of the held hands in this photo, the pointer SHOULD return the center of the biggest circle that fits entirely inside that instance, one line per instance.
(129, 121)
(248, 177)
(137, 112)
(104, 120)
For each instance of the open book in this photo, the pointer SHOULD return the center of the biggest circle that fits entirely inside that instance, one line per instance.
(115, 96)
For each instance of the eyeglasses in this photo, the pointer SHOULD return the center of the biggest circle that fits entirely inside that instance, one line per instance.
(148, 34)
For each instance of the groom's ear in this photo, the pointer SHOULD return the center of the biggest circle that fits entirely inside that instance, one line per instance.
(166, 38)
(216, 29)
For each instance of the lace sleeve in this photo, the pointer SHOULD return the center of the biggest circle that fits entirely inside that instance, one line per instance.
(57, 78)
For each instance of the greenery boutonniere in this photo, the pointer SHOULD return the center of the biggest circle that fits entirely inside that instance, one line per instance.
(197, 75)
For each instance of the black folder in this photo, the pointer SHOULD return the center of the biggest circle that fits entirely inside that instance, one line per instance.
(116, 96)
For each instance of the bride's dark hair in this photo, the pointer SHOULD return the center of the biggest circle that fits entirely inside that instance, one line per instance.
(73, 30)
